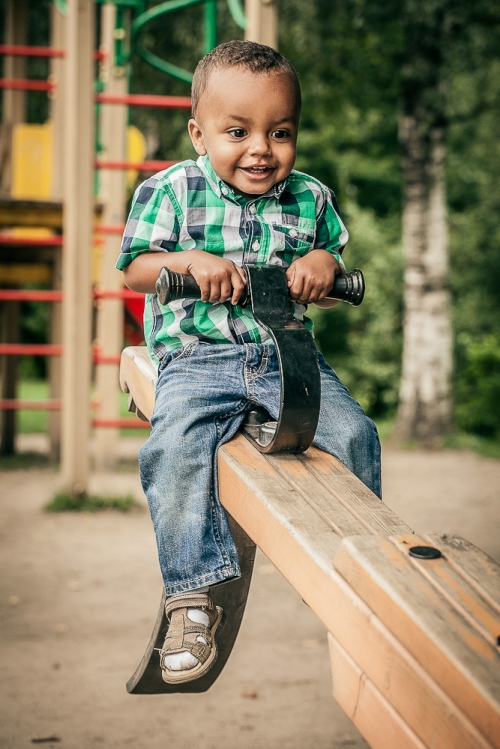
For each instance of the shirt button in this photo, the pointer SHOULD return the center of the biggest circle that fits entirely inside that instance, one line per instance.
(256, 245)
(253, 208)
(293, 233)
(224, 190)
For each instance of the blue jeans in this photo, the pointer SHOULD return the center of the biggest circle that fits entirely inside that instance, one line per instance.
(202, 396)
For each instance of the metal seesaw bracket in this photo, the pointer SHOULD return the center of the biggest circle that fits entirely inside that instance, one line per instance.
(300, 392)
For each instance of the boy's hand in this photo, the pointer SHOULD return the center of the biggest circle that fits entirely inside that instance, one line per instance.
(311, 277)
(219, 279)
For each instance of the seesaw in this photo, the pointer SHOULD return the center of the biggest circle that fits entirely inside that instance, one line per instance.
(413, 622)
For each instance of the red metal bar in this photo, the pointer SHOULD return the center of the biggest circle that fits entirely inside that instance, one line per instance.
(143, 166)
(23, 295)
(109, 229)
(117, 294)
(121, 423)
(22, 50)
(20, 405)
(146, 100)
(19, 84)
(55, 241)
(30, 349)
(98, 358)
(46, 295)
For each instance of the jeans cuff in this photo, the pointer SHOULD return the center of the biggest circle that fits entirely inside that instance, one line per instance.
(228, 573)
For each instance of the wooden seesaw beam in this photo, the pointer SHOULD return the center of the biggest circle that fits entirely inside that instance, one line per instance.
(414, 645)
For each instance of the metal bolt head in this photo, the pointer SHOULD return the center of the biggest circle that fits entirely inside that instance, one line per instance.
(424, 552)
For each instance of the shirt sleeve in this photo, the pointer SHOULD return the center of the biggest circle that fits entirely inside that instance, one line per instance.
(152, 225)
(331, 234)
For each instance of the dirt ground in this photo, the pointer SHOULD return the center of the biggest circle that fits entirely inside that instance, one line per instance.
(78, 598)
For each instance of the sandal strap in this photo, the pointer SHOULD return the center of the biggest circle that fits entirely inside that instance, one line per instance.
(198, 649)
(183, 635)
(182, 626)
(190, 601)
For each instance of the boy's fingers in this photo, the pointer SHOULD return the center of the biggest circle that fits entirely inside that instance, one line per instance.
(215, 291)
(226, 289)
(241, 274)
(204, 290)
(297, 288)
(238, 279)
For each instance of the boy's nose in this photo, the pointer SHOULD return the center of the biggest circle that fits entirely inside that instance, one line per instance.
(259, 145)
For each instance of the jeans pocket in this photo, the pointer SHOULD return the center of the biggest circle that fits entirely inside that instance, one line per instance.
(182, 352)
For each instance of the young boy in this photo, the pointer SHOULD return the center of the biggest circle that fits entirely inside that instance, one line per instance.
(240, 202)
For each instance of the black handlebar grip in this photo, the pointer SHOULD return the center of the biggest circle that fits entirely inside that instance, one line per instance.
(171, 286)
(350, 288)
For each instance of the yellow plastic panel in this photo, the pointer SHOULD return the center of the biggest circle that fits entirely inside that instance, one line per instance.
(32, 161)
(136, 152)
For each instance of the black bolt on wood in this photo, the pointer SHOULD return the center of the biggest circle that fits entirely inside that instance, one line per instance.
(424, 552)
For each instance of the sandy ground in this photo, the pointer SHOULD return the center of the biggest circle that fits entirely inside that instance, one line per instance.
(78, 596)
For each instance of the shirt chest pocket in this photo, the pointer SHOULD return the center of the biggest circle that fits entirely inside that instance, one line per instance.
(297, 240)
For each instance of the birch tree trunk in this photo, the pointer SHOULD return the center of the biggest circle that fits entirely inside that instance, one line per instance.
(425, 391)
(425, 405)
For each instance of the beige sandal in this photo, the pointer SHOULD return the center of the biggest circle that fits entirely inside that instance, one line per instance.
(182, 634)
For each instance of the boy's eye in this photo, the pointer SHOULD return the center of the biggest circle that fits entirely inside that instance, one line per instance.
(281, 134)
(238, 132)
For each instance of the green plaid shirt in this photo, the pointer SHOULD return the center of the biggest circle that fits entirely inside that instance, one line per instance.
(188, 207)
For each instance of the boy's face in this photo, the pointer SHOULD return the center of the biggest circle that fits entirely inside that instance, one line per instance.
(247, 123)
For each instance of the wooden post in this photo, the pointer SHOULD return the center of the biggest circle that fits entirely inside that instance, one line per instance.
(112, 195)
(262, 22)
(78, 216)
(57, 71)
(55, 365)
(14, 102)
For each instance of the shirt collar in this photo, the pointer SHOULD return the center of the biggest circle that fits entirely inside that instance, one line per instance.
(223, 190)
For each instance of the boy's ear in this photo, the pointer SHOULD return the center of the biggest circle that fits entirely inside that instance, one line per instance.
(196, 137)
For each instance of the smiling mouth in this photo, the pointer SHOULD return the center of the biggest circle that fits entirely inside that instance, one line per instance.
(257, 170)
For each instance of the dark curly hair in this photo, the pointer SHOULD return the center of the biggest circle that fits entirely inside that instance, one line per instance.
(258, 58)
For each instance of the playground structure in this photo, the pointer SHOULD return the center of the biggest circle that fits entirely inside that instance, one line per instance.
(57, 230)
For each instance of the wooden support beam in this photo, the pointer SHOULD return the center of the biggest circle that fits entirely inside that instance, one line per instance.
(54, 364)
(57, 73)
(262, 22)
(78, 215)
(46, 213)
(112, 194)
(14, 212)
(414, 644)
(13, 102)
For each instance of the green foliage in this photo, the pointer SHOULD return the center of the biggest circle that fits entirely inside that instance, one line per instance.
(32, 422)
(353, 58)
(64, 502)
(478, 384)
(364, 344)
